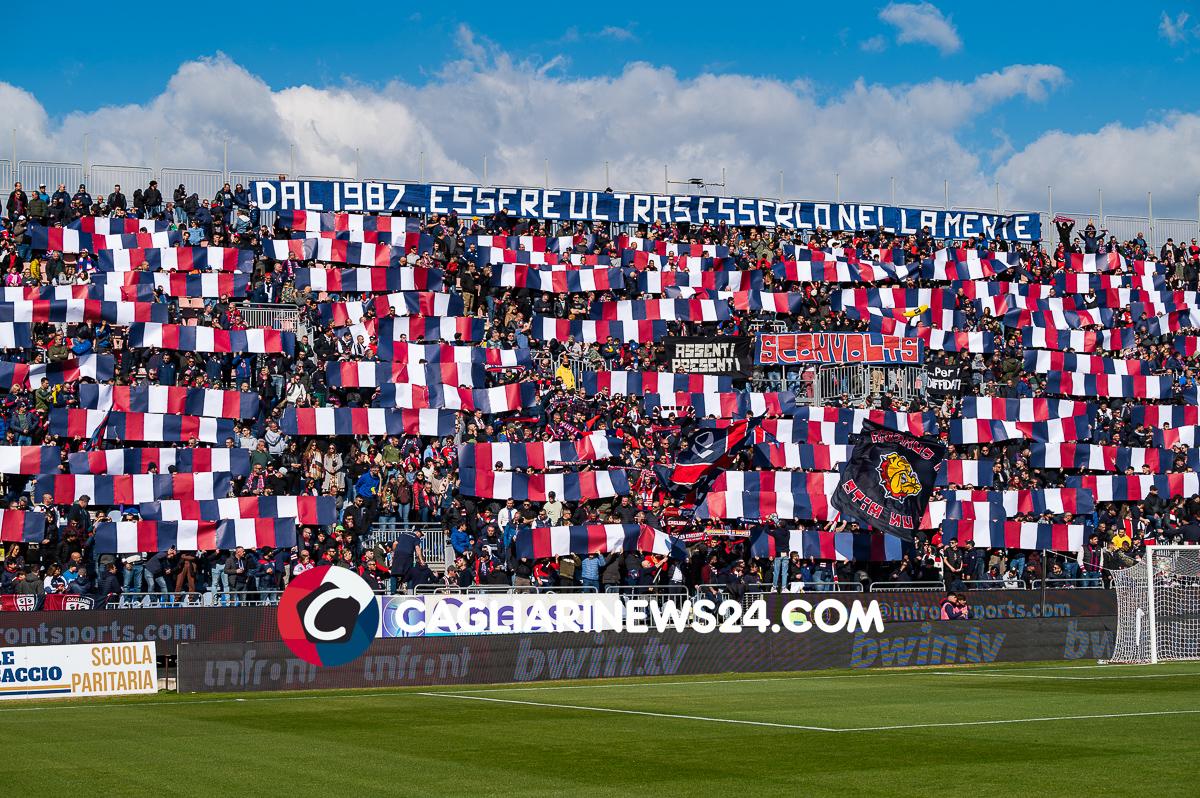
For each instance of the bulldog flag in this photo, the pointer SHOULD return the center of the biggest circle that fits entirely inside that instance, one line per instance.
(886, 483)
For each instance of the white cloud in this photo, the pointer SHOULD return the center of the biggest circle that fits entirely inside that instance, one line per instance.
(518, 113)
(875, 44)
(922, 23)
(1175, 31)
(617, 33)
(1162, 157)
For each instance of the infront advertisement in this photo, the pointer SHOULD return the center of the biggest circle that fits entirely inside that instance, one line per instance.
(473, 659)
(81, 670)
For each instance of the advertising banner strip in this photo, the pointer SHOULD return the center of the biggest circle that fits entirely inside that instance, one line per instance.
(78, 670)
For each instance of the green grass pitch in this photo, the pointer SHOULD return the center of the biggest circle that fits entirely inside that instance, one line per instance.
(1021, 730)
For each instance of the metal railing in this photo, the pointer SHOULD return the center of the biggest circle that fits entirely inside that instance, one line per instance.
(824, 587)
(204, 183)
(860, 383)
(434, 546)
(34, 173)
(285, 318)
(1080, 583)
(661, 594)
(130, 178)
(904, 383)
(801, 381)
(250, 598)
(504, 590)
(850, 381)
(992, 584)
(581, 365)
(906, 587)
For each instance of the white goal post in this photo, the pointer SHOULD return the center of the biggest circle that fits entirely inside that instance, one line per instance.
(1158, 606)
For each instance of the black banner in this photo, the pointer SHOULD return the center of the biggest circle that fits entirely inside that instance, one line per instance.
(887, 481)
(948, 380)
(722, 355)
(398, 662)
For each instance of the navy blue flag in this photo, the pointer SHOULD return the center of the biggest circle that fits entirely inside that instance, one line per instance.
(886, 483)
(706, 450)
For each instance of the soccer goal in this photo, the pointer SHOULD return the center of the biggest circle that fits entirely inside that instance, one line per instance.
(1158, 606)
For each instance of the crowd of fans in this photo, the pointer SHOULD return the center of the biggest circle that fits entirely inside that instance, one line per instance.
(410, 481)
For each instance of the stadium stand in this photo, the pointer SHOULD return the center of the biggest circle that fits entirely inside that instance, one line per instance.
(198, 404)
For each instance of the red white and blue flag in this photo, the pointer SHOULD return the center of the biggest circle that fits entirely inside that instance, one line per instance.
(177, 259)
(332, 421)
(235, 461)
(130, 537)
(188, 338)
(169, 399)
(30, 375)
(574, 487)
(30, 460)
(109, 490)
(319, 510)
(536, 543)
(120, 426)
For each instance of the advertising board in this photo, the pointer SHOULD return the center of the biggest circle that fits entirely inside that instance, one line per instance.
(79, 670)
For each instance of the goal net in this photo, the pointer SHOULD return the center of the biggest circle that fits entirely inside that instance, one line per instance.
(1158, 606)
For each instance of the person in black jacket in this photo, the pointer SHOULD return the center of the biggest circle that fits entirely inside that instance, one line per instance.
(239, 569)
(404, 552)
(108, 587)
(179, 198)
(82, 197)
(80, 516)
(156, 571)
(735, 581)
(152, 198)
(17, 203)
(116, 200)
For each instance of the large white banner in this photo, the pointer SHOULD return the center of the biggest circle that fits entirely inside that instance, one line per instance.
(82, 670)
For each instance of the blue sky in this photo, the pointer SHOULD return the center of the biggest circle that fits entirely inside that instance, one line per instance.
(1111, 63)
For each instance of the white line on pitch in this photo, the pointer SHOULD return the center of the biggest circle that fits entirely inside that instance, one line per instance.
(1105, 666)
(876, 674)
(630, 712)
(251, 699)
(999, 674)
(1022, 720)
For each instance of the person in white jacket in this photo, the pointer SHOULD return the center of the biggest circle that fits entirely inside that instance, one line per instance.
(296, 392)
